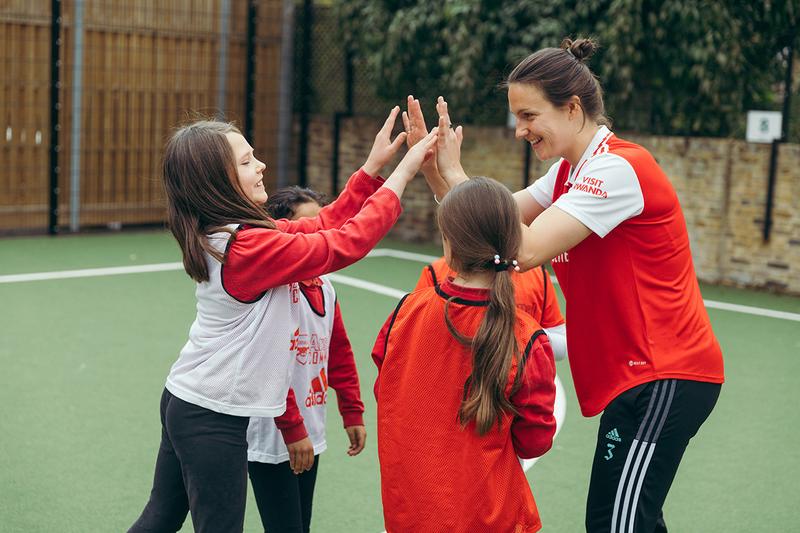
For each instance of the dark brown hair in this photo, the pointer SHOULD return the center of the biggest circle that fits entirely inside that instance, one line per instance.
(203, 192)
(561, 73)
(479, 219)
(282, 203)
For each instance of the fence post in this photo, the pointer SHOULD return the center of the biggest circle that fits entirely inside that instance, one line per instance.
(222, 57)
(55, 106)
(75, 135)
(285, 115)
(305, 90)
(526, 167)
(787, 84)
(773, 157)
(250, 71)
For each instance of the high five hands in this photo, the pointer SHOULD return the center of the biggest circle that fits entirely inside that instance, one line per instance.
(443, 171)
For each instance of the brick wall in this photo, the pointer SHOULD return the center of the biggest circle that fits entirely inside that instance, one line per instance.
(721, 183)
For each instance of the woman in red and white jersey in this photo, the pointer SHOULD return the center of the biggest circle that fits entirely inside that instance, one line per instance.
(641, 347)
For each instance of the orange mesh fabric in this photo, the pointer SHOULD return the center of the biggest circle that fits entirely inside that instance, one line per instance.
(436, 475)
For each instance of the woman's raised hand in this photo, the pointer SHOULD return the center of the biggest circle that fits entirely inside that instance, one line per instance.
(448, 147)
(384, 149)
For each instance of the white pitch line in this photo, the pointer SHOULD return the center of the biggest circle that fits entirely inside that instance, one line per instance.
(760, 311)
(401, 254)
(90, 272)
(378, 252)
(367, 285)
(713, 304)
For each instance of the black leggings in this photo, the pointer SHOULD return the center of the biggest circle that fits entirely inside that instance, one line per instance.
(202, 467)
(643, 434)
(284, 498)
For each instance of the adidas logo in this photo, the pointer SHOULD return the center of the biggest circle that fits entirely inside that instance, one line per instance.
(614, 435)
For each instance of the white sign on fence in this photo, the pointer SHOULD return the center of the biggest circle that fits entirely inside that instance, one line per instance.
(763, 126)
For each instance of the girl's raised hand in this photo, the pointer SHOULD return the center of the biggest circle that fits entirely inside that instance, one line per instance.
(384, 149)
(412, 161)
(409, 165)
(448, 147)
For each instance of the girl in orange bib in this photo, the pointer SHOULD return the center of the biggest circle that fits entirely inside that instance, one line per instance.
(465, 382)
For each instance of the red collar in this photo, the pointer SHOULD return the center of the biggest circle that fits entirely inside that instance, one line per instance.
(469, 294)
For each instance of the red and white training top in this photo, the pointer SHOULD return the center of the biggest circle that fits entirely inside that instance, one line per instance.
(237, 360)
(633, 303)
(323, 357)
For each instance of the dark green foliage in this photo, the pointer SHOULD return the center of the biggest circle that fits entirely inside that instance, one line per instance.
(671, 66)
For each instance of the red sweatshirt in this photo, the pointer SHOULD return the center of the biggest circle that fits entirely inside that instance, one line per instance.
(343, 232)
(260, 259)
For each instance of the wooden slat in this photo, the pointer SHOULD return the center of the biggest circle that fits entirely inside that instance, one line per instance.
(147, 67)
(24, 127)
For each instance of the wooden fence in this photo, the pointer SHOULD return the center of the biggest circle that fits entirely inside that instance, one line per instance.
(147, 66)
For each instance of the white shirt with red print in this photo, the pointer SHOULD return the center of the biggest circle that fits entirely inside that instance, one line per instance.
(323, 358)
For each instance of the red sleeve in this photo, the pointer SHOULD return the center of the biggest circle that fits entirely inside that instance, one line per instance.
(359, 187)
(551, 316)
(379, 350)
(425, 278)
(534, 425)
(260, 259)
(291, 423)
(342, 374)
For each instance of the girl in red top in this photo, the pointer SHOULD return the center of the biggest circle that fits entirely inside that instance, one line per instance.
(238, 361)
(455, 410)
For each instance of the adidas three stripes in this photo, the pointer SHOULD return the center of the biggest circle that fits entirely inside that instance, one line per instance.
(642, 437)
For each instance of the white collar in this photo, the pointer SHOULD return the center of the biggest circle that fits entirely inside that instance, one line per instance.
(602, 134)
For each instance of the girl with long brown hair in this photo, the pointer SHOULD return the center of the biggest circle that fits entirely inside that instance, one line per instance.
(455, 410)
(238, 360)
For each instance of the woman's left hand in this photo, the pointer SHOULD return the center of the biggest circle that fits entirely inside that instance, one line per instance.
(358, 437)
